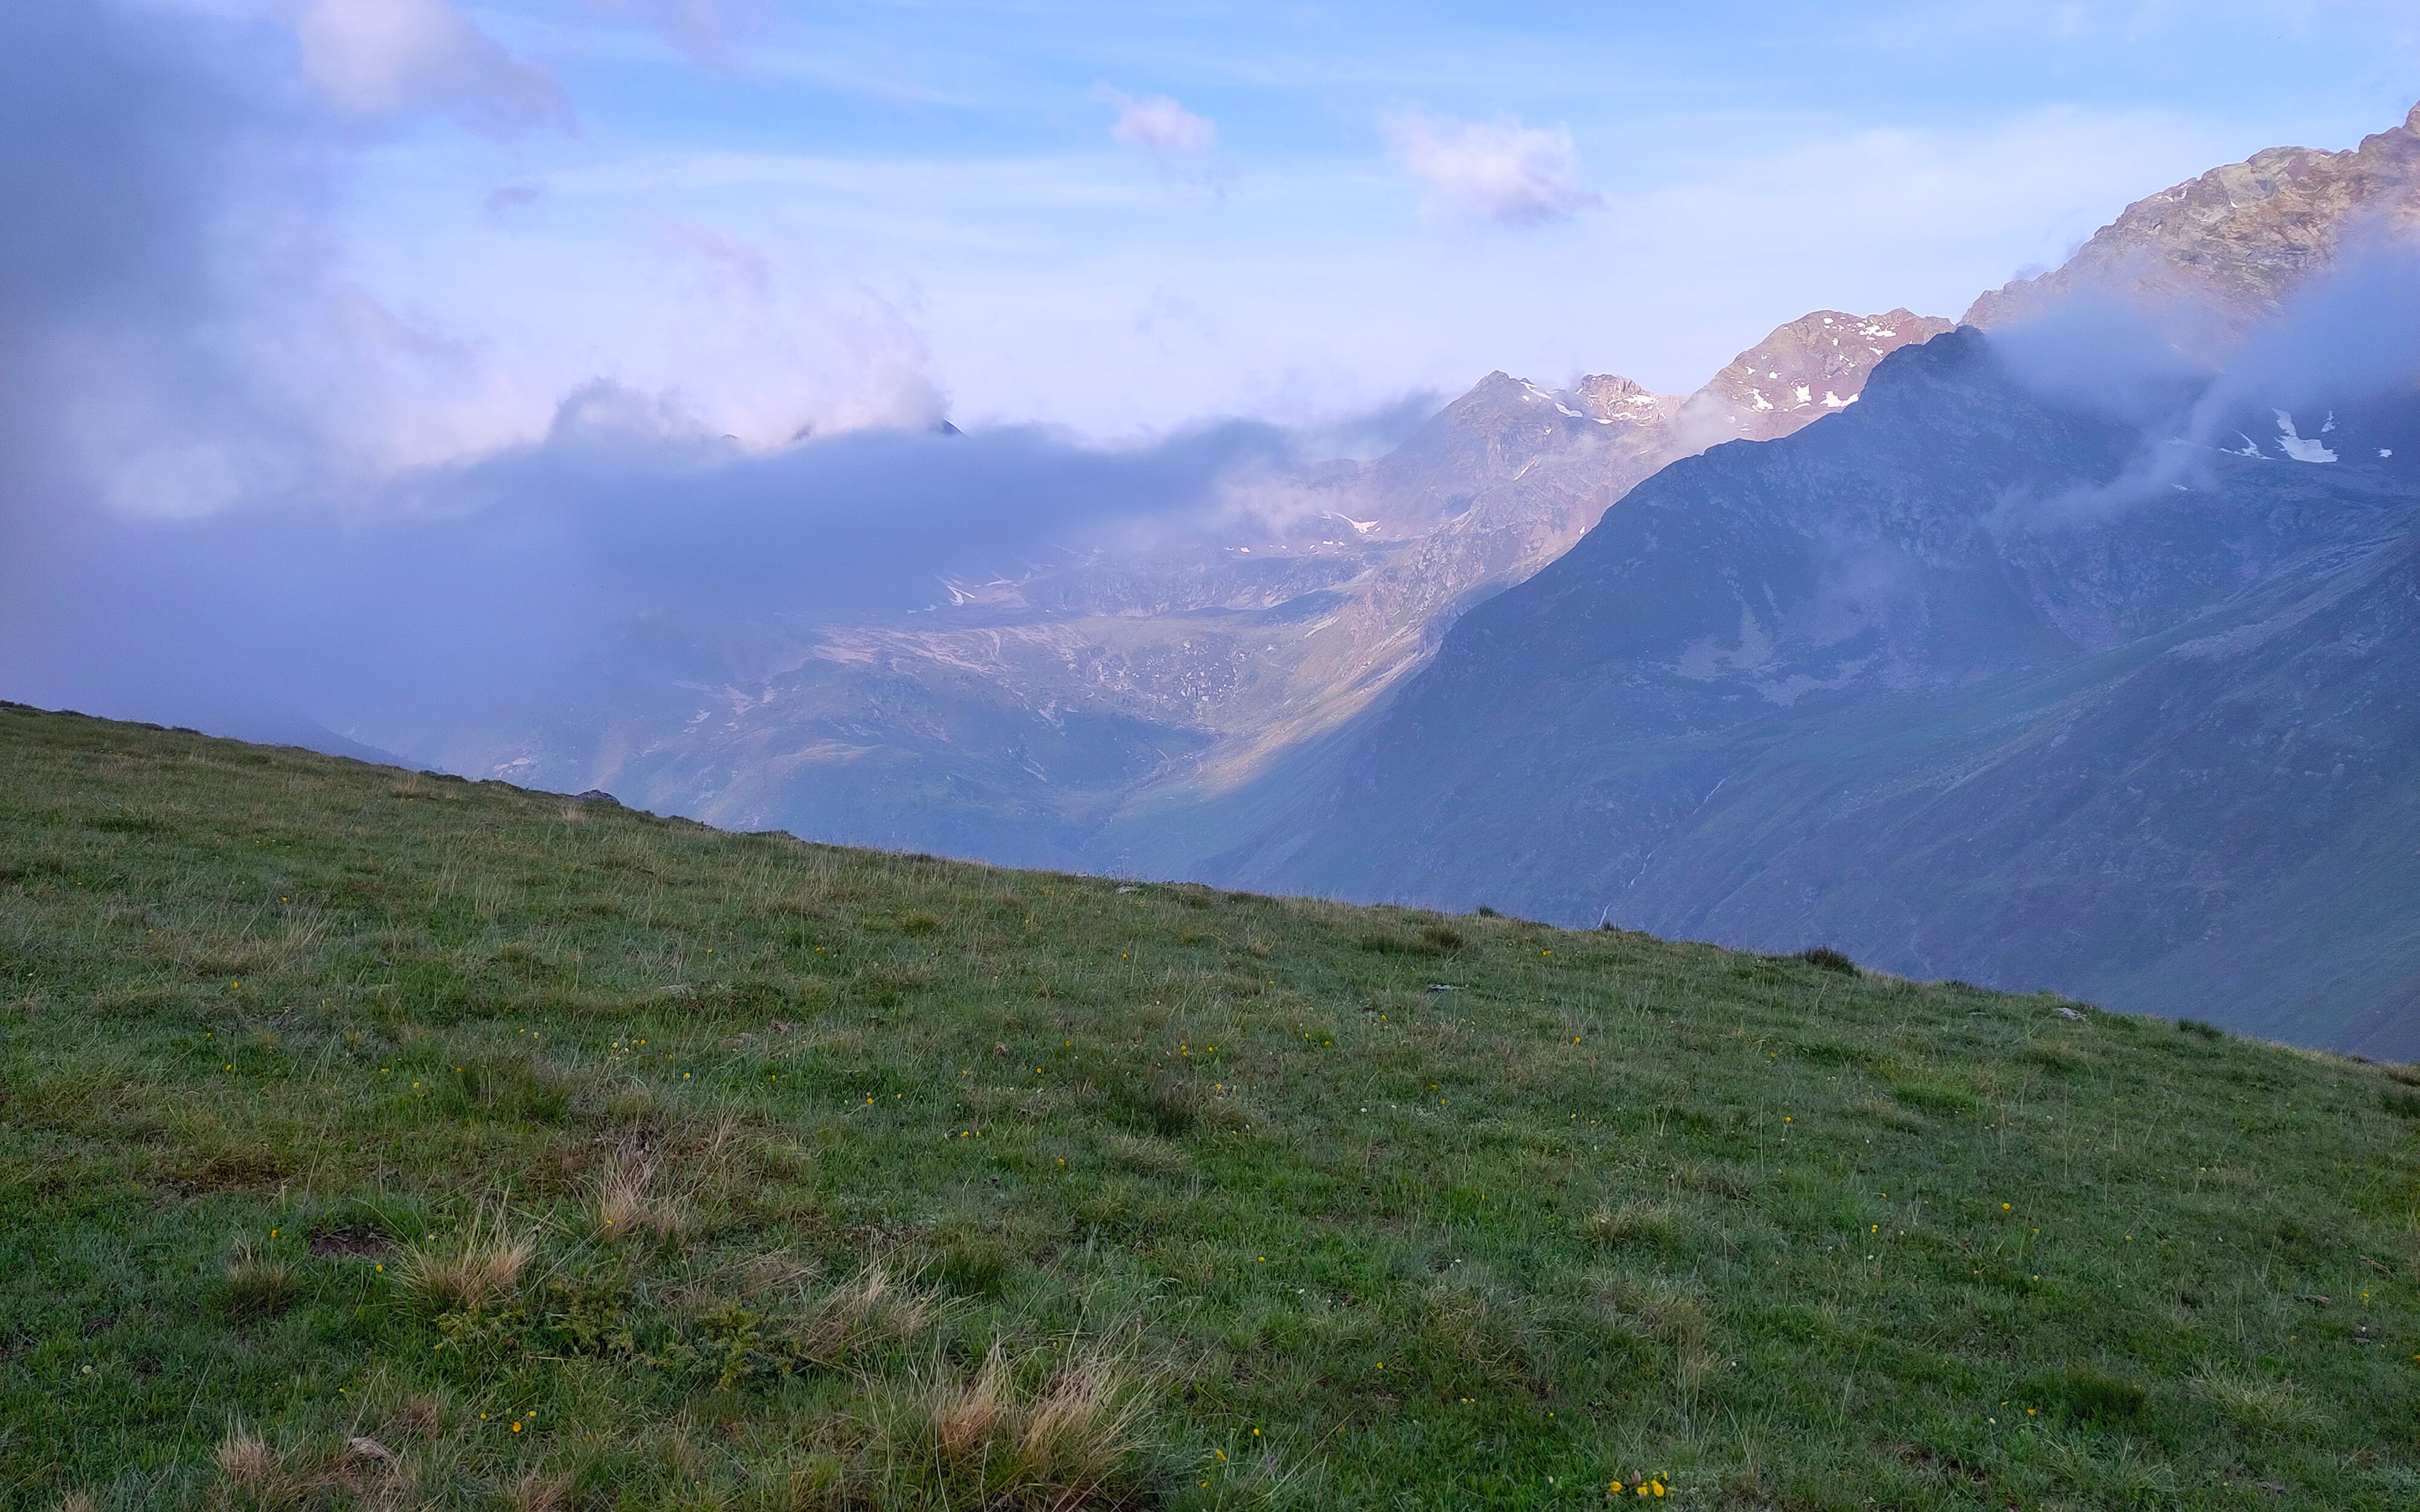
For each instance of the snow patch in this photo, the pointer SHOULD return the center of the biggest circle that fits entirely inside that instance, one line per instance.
(1761, 402)
(2302, 448)
(1532, 391)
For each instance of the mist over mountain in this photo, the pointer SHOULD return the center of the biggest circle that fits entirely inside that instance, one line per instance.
(2065, 660)
(1093, 708)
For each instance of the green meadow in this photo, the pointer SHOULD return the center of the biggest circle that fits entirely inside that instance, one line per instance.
(387, 1140)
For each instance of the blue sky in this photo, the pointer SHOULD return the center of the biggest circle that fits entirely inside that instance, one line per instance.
(1120, 218)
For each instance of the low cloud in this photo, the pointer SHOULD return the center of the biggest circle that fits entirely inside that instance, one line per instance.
(1500, 171)
(2342, 353)
(205, 516)
(1158, 125)
(578, 577)
(388, 57)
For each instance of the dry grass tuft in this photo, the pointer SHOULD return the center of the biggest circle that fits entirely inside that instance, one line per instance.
(253, 1471)
(1892, 1115)
(482, 1266)
(1082, 1429)
(2278, 1409)
(246, 1460)
(1669, 1311)
(537, 1493)
(375, 1476)
(1714, 1179)
(1146, 1156)
(969, 1418)
(257, 1285)
(869, 1309)
(1460, 1320)
(631, 1203)
(1631, 1225)
(1052, 1450)
(775, 1270)
(78, 1501)
(421, 1415)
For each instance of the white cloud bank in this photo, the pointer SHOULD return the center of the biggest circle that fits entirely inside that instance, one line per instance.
(1499, 170)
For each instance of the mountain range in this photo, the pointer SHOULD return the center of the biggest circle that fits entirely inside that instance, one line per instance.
(1895, 636)
(1934, 683)
(1992, 677)
(1083, 713)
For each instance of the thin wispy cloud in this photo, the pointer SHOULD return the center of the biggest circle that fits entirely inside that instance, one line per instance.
(386, 57)
(704, 31)
(1500, 171)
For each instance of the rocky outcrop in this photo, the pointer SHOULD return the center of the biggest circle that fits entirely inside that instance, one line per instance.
(2238, 239)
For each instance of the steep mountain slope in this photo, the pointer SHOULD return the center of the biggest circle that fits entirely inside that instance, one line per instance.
(1082, 713)
(1943, 682)
(376, 1140)
(2237, 239)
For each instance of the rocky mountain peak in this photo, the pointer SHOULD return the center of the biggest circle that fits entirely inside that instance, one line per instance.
(1813, 366)
(1612, 400)
(2238, 238)
(1492, 433)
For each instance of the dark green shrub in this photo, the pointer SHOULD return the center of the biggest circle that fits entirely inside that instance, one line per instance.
(974, 1265)
(1429, 939)
(1825, 958)
(257, 1285)
(1934, 1096)
(2087, 1394)
(1169, 1106)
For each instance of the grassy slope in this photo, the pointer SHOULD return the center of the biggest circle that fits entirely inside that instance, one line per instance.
(275, 1028)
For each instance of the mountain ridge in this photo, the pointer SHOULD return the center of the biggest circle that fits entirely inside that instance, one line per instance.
(1817, 691)
(2237, 239)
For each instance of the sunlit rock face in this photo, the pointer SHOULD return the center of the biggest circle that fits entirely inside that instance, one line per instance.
(2238, 239)
(1815, 365)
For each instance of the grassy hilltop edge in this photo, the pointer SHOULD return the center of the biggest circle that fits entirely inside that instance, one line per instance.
(382, 1140)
